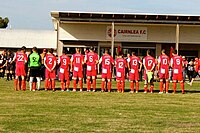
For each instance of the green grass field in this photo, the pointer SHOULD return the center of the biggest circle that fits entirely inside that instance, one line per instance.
(58, 111)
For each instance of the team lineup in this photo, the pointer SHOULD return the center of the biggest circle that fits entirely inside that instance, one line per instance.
(75, 64)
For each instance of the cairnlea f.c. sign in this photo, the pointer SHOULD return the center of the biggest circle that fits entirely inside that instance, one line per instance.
(127, 33)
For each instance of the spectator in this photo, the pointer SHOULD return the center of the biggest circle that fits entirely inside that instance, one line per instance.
(191, 72)
(43, 54)
(184, 70)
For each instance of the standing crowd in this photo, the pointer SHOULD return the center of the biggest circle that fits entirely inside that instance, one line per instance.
(47, 63)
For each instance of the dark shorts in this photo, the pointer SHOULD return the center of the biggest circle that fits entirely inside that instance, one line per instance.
(192, 74)
(10, 67)
(35, 72)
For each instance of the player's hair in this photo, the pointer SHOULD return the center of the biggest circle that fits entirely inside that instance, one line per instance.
(35, 49)
(92, 48)
(175, 51)
(50, 50)
(78, 49)
(64, 51)
(23, 48)
(9, 50)
(163, 51)
(148, 52)
(133, 52)
(106, 51)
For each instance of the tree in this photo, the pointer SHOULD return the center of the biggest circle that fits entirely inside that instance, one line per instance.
(4, 22)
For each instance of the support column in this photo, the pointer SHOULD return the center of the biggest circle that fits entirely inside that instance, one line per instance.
(158, 50)
(59, 43)
(112, 39)
(177, 37)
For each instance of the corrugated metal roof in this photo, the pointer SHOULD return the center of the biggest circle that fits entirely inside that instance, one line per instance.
(29, 38)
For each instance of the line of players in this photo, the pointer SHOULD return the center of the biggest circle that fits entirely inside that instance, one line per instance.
(91, 59)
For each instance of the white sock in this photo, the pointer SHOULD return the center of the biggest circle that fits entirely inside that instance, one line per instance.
(38, 82)
(30, 83)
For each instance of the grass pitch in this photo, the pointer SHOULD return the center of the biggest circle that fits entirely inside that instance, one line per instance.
(49, 111)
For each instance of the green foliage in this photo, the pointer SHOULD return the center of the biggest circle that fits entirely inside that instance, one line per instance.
(47, 111)
(4, 22)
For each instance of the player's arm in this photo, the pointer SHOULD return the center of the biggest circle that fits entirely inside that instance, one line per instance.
(100, 60)
(97, 59)
(171, 63)
(153, 66)
(54, 65)
(14, 58)
(144, 65)
(140, 67)
(128, 64)
(46, 64)
(71, 63)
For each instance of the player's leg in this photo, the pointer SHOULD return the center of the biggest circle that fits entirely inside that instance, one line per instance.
(88, 83)
(53, 82)
(167, 85)
(109, 85)
(182, 86)
(47, 78)
(123, 85)
(145, 86)
(81, 83)
(23, 85)
(151, 85)
(62, 81)
(118, 86)
(38, 83)
(31, 83)
(131, 77)
(7, 72)
(161, 86)
(93, 74)
(103, 84)
(132, 86)
(74, 83)
(67, 80)
(174, 85)
(137, 86)
(16, 83)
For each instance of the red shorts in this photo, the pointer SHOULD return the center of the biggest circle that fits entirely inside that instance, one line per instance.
(120, 76)
(78, 74)
(20, 70)
(92, 72)
(133, 75)
(63, 74)
(50, 75)
(106, 74)
(178, 77)
(163, 74)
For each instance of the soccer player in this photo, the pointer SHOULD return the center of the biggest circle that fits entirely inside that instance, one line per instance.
(149, 65)
(163, 67)
(64, 62)
(77, 61)
(177, 64)
(120, 64)
(34, 64)
(91, 59)
(20, 58)
(134, 63)
(50, 72)
(9, 65)
(106, 61)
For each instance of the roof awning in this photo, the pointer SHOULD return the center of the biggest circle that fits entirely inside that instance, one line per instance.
(126, 17)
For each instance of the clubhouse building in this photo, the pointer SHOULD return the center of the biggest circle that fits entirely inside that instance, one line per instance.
(127, 32)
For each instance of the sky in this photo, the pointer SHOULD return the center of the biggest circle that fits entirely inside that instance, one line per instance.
(35, 14)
